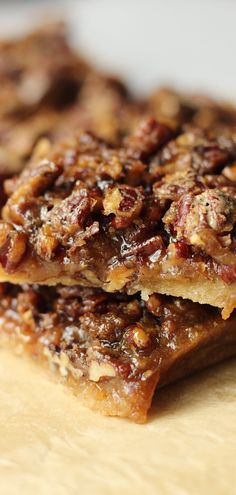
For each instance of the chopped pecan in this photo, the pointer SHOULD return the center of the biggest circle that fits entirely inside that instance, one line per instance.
(148, 138)
(100, 371)
(205, 221)
(66, 224)
(139, 337)
(173, 186)
(193, 150)
(210, 158)
(13, 246)
(32, 184)
(230, 172)
(125, 203)
(138, 341)
(212, 208)
(154, 304)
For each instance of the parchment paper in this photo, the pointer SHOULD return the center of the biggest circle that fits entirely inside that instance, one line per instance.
(50, 445)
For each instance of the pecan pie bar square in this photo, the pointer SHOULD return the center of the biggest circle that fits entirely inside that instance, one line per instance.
(156, 214)
(113, 350)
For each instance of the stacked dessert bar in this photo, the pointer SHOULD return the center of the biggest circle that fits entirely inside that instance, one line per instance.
(118, 226)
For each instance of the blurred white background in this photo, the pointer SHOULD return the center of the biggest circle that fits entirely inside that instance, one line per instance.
(187, 43)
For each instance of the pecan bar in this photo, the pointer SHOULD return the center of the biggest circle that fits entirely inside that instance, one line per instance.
(102, 105)
(39, 69)
(114, 350)
(157, 214)
(40, 76)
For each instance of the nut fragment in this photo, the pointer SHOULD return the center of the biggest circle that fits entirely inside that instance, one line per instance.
(136, 335)
(141, 339)
(148, 138)
(154, 303)
(230, 172)
(66, 224)
(32, 184)
(100, 370)
(125, 203)
(112, 201)
(12, 246)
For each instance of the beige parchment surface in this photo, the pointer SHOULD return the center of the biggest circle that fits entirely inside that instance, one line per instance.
(51, 445)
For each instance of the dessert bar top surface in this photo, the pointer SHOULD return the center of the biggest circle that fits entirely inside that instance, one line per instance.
(161, 205)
